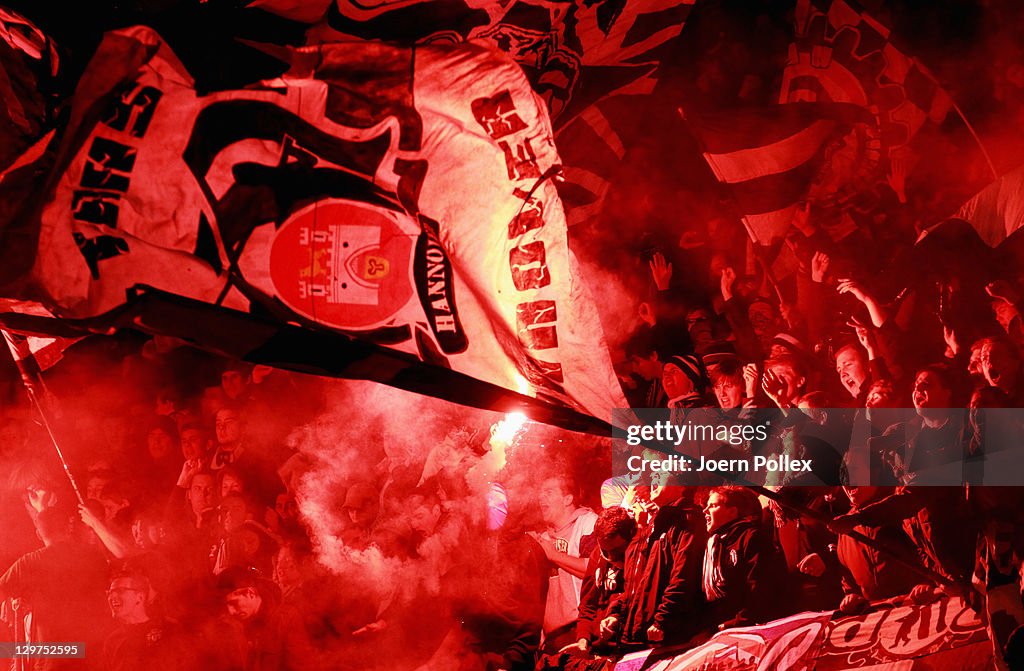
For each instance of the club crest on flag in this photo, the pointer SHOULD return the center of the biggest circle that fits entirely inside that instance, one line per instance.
(341, 263)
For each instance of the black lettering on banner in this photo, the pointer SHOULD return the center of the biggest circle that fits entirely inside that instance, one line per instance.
(520, 161)
(133, 110)
(535, 324)
(95, 207)
(108, 165)
(99, 248)
(529, 266)
(535, 320)
(436, 287)
(497, 115)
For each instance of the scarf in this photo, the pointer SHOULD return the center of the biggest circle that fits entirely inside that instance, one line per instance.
(713, 580)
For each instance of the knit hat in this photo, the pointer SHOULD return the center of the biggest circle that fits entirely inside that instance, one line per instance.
(693, 368)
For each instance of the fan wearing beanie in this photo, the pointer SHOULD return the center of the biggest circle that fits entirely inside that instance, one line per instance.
(686, 382)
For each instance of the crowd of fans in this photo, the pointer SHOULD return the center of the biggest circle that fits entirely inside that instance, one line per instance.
(189, 550)
(923, 318)
(192, 539)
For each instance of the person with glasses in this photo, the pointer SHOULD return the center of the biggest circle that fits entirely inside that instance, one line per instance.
(140, 639)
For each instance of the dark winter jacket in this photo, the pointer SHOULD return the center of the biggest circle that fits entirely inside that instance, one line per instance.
(749, 573)
(872, 574)
(602, 583)
(663, 569)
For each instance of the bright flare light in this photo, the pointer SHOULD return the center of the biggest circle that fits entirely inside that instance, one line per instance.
(506, 429)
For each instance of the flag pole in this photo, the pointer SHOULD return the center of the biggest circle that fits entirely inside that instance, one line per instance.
(33, 380)
(974, 134)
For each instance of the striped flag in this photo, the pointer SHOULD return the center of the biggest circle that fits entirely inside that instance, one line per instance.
(840, 53)
(770, 157)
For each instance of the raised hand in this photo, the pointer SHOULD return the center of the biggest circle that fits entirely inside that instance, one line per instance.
(773, 385)
(897, 178)
(878, 314)
(728, 279)
(865, 335)
(88, 518)
(661, 271)
(819, 266)
(750, 378)
(848, 286)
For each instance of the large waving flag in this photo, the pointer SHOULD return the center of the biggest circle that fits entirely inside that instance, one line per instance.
(402, 198)
(577, 55)
(840, 53)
